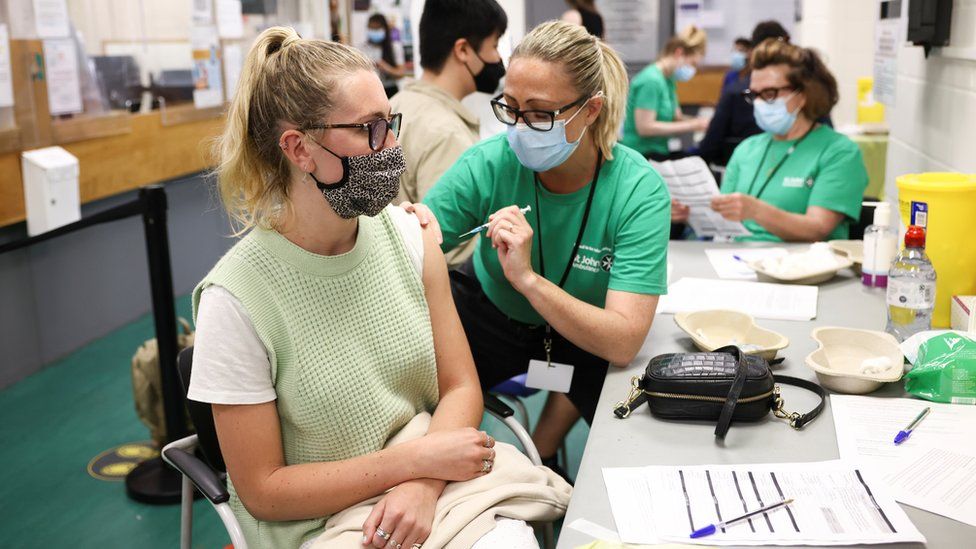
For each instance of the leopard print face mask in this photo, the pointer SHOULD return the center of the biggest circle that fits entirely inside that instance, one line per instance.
(369, 183)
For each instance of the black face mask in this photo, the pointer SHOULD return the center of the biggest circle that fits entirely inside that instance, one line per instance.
(491, 74)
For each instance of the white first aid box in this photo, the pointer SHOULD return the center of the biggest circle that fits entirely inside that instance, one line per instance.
(51, 189)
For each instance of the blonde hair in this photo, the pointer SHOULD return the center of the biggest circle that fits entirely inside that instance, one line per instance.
(286, 79)
(691, 40)
(593, 66)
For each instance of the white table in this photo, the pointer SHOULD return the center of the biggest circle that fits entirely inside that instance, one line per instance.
(643, 440)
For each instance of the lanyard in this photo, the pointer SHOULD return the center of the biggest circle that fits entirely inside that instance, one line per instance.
(778, 165)
(547, 343)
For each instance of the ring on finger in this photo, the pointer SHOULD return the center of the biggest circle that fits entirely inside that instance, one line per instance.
(383, 534)
(485, 466)
(489, 442)
(393, 543)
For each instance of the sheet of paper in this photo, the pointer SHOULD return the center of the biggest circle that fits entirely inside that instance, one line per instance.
(866, 428)
(942, 481)
(935, 469)
(51, 18)
(233, 63)
(202, 12)
(834, 504)
(230, 20)
(731, 264)
(759, 299)
(6, 83)
(63, 84)
(691, 182)
(208, 89)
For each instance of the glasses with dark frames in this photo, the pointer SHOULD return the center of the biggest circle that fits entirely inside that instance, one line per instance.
(376, 129)
(538, 120)
(768, 95)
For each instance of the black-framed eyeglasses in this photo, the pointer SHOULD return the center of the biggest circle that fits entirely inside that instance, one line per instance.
(538, 120)
(376, 129)
(768, 95)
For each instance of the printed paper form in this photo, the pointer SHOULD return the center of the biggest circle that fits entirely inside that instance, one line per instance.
(934, 470)
(691, 182)
(759, 299)
(835, 504)
(726, 265)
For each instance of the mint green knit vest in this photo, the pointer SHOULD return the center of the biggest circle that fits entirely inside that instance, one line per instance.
(350, 345)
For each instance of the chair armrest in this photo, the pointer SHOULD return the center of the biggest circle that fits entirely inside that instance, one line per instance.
(496, 407)
(202, 476)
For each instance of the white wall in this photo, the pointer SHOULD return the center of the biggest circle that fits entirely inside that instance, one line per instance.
(933, 125)
(843, 32)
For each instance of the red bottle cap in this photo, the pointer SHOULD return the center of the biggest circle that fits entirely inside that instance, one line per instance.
(915, 237)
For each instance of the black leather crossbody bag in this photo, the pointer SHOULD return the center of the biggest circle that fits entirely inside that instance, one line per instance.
(722, 385)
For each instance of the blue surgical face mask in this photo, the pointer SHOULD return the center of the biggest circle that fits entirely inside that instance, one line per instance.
(739, 60)
(774, 117)
(543, 151)
(376, 36)
(684, 72)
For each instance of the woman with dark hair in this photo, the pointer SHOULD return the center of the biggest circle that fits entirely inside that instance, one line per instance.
(385, 53)
(585, 14)
(799, 180)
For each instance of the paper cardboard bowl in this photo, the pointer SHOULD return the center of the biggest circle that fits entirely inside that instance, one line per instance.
(837, 361)
(815, 275)
(854, 249)
(717, 328)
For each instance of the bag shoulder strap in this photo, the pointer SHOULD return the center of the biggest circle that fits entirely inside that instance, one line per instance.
(797, 420)
(741, 371)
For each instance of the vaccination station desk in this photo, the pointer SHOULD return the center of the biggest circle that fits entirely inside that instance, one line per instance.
(642, 440)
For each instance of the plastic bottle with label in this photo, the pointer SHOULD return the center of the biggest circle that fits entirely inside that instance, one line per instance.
(880, 247)
(911, 288)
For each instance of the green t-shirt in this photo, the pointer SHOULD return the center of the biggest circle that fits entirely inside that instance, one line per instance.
(652, 91)
(625, 244)
(825, 170)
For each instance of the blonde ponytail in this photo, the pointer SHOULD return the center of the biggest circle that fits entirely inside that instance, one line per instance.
(691, 40)
(592, 65)
(285, 80)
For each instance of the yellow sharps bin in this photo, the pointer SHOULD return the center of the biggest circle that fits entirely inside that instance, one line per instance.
(945, 204)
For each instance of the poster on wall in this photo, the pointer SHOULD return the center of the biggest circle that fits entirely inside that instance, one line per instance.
(889, 35)
(61, 71)
(632, 28)
(51, 18)
(233, 62)
(202, 12)
(208, 90)
(230, 19)
(6, 84)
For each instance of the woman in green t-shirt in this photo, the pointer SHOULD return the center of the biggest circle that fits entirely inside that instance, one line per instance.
(576, 279)
(798, 181)
(653, 112)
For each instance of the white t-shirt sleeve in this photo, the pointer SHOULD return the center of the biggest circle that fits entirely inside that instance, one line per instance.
(413, 236)
(230, 362)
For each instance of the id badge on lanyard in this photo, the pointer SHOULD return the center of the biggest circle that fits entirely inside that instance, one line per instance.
(548, 375)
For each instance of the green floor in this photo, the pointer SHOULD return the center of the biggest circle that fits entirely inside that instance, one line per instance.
(54, 422)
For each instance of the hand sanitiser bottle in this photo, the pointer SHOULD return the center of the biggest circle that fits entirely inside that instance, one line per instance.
(911, 288)
(880, 247)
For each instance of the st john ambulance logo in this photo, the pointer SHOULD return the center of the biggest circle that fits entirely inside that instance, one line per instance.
(606, 262)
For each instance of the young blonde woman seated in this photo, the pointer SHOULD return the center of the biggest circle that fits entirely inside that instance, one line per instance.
(344, 394)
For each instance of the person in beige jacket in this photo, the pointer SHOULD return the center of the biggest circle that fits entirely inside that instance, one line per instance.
(459, 55)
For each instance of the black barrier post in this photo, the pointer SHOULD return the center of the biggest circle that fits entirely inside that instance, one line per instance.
(152, 481)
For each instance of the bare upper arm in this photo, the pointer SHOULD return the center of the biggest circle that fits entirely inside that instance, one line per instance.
(644, 118)
(638, 310)
(455, 366)
(250, 441)
(826, 220)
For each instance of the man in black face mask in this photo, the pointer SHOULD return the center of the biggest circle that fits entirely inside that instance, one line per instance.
(459, 54)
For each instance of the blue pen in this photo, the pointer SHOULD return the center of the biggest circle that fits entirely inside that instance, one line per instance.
(737, 258)
(903, 435)
(480, 228)
(712, 528)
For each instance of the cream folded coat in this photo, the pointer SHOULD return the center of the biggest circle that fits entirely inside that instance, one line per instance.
(466, 510)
